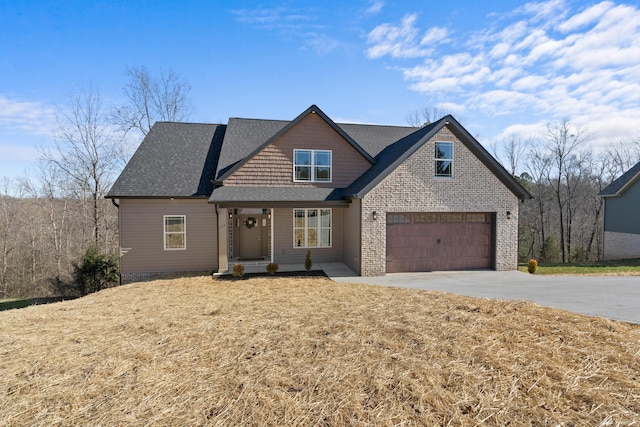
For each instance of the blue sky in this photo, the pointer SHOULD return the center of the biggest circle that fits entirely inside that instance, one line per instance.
(501, 67)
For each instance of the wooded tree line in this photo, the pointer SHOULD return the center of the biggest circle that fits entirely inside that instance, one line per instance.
(50, 221)
(563, 221)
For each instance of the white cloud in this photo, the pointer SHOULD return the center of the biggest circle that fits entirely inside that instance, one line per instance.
(376, 7)
(291, 24)
(548, 61)
(587, 17)
(30, 116)
(401, 41)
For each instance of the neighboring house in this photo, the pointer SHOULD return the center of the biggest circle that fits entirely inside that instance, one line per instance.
(380, 199)
(621, 219)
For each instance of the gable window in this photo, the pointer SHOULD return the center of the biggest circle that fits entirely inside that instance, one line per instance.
(312, 228)
(444, 159)
(312, 165)
(175, 230)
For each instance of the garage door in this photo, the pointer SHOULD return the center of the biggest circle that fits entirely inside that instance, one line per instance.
(439, 241)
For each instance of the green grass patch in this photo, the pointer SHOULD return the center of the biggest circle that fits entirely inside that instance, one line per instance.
(624, 267)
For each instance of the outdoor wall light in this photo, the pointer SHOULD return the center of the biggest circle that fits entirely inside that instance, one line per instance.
(374, 215)
(508, 214)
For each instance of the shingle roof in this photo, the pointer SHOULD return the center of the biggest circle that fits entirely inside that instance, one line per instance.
(183, 159)
(173, 160)
(242, 137)
(618, 186)
(228, 170)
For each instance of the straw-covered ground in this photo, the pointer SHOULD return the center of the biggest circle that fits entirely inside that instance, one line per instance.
(308, 351)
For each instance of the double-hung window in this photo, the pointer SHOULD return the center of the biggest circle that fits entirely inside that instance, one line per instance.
(312, 165)
(312, 228)
(175, 232)
(444, 159)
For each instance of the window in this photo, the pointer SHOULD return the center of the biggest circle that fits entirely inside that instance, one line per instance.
(312, 165)
(444, 159)
(175, 232)
(451, 217)
(312, 228)
(476, 217)
(421, 218)
(398, 218)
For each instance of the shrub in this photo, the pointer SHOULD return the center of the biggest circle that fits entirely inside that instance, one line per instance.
(95, 271)
(532, 266)
(238, 270)
(307, 262)
(272, 268)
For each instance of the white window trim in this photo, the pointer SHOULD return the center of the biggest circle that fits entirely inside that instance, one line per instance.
(165, 232)
(312, 165)
(306, 228)
(435, 169)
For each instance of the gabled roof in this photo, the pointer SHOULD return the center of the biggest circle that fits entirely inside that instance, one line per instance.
(185, 159)
(311, 110)
(173, 160)
(395, 154)
(620, 185)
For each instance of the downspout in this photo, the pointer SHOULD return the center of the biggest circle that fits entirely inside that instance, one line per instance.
(113, 201)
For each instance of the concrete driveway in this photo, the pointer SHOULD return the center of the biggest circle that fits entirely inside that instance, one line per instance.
(613, 297)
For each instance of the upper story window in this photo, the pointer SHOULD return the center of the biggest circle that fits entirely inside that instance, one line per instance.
(312, 165)
(175, 230)
(444, 159)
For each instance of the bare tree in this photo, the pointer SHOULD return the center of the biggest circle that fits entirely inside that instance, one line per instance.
(151, 99)
(84, 153)
(425, 116)
(539, 165)
(622, 155)
(7, 218)
(563, 140)
(513, 149)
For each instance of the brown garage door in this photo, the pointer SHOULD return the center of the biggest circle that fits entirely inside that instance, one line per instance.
(439, 241)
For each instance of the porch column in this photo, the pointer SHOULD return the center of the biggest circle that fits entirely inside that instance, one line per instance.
(271, 234)
(223, 236)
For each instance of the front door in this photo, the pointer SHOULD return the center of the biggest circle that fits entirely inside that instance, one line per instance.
(251, 230)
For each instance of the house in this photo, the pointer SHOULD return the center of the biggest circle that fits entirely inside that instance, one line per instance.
(621, 225)
(379, 199)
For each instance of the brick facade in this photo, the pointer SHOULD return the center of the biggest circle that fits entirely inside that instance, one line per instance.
(412, 187)
(621, 245)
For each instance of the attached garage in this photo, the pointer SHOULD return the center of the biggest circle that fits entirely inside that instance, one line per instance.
(430, 241)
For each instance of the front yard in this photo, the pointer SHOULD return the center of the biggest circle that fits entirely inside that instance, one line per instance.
(309, 351)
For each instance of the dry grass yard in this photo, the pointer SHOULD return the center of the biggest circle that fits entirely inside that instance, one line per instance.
(308, 351)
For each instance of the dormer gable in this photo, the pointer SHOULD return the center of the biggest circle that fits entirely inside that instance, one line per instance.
(311, 150)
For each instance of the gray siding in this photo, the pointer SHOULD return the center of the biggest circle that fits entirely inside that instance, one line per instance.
(621, 213)
(141, 236)
(351, 236)
(285, 253)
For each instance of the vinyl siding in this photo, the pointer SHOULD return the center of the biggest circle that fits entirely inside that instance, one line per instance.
(142, 233)
(286, 253)
(621, 212)
(273, 166)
